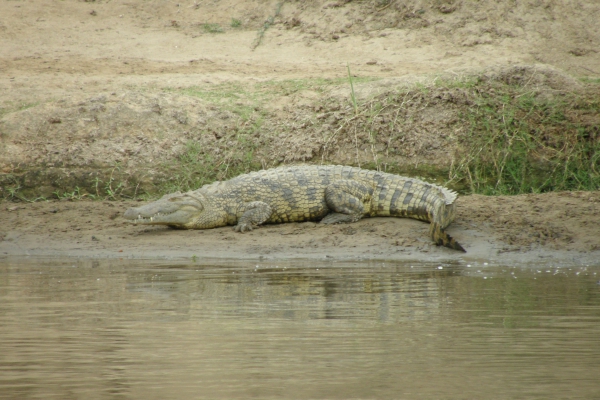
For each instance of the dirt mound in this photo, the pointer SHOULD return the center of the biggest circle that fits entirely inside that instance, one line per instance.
(146, 92)
(131, 128)
(537, 77)
(145, 138)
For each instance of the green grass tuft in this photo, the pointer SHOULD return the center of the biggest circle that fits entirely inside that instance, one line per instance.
(352, 95)
(212, 28)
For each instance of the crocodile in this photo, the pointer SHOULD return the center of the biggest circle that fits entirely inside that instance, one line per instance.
(327, 193)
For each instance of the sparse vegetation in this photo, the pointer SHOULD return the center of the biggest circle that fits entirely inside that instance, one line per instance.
(352, 95)
(246, 99)
(591, 80)
(73, 195)
(504, 138)
(9, 107)
(515, 139)
(212, 28)
(522, 142)
(13, 192)
(114, 188)
(267, 25)
(194, 167)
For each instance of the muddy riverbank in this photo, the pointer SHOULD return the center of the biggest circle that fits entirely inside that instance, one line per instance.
(550, 228)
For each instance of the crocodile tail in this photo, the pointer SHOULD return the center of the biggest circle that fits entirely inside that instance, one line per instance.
(441, 238)
(442, 216)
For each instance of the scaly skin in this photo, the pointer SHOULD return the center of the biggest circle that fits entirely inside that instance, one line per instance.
(332, 194)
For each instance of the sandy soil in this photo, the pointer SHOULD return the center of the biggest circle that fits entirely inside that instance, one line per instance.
(74, 55)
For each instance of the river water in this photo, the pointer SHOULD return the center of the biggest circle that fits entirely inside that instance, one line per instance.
(115, 329)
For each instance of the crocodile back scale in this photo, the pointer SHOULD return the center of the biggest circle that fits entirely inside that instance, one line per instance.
(330, 194)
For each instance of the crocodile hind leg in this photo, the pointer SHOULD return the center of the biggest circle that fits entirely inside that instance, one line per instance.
(255, 213)
(348, 201)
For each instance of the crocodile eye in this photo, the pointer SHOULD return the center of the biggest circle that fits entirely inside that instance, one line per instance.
(175, 199)
(170, 196)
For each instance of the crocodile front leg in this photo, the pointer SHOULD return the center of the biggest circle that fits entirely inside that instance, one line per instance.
(349, 201)
(255, 213)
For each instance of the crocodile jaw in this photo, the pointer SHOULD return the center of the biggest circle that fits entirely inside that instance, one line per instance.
(178, 218)
(176, 210)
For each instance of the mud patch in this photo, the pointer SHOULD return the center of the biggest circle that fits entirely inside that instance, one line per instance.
(512, 229)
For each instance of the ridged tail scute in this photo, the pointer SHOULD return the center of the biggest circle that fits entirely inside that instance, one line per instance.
(441, 238)
(442, 217)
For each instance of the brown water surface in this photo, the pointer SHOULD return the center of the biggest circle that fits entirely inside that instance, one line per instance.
(82, 329)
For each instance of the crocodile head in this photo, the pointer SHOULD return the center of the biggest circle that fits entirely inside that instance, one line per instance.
(177, 210)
